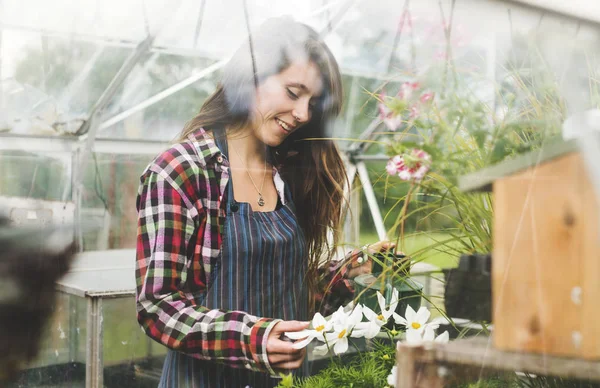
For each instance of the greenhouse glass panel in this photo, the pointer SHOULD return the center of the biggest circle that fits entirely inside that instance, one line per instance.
(92, 91)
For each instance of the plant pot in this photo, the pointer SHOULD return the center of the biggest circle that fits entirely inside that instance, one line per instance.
(468, 288)
(409, 293)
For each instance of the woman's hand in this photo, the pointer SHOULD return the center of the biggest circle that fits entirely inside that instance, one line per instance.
(365, 265)
(280, 353)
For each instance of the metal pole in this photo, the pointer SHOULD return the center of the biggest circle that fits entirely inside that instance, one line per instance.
(89, 128)
(559, 9)
(352, 217)
(199, 23)
(73, 324)
(162, 95)
(351, 107)
(94, 366)
(115, 83)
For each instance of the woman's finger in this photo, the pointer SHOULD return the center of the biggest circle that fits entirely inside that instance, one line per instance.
(288, 365)
(279, 358)
(277, 346)
(283, 326)
(282, 361)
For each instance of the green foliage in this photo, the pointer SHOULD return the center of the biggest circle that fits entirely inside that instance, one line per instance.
(462, 135)
(366, 370)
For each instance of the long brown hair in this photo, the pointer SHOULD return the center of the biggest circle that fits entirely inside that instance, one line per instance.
(313, 168)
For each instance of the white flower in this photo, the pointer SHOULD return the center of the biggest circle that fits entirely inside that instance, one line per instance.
(371, 328)
(343, 327)
(414, 321)
(319, 327)
(391, 379)
(428, 335)
(340, 315)
(414, 337)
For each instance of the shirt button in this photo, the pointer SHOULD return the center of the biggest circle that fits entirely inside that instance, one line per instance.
(220, 159)
(234, 207)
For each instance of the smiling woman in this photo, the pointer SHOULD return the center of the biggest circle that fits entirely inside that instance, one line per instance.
(229, 243)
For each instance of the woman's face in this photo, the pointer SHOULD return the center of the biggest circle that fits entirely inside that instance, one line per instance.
(285, 102)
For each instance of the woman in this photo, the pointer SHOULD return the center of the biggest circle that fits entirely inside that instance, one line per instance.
(234, 218)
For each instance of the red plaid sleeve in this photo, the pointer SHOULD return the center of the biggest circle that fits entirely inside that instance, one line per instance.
(335, 289)
(166, 303)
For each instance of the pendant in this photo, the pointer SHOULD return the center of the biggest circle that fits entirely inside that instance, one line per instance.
(261, 201)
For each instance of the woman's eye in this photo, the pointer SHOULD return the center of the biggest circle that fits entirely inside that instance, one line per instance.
(292, 94)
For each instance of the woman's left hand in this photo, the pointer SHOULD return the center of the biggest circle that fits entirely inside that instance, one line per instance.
(363, 266)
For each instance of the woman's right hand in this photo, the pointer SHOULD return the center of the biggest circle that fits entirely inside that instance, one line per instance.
(281, 354)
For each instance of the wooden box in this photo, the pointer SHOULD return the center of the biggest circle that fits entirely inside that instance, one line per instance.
(546, 267)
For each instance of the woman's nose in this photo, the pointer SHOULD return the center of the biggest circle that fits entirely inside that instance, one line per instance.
(301, 112)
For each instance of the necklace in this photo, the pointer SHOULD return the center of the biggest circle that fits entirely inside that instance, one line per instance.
(261, 201)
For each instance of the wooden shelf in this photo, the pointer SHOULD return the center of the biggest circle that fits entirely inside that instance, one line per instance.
(431, 365)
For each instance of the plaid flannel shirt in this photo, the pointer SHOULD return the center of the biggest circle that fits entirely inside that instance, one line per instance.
(181, 212)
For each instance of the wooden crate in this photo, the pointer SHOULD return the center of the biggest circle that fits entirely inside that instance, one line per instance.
(546, 250)
(464, 361)
(547, 260)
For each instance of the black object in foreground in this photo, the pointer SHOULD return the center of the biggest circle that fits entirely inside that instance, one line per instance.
(468, 289)
(388, 259)
(31, 260)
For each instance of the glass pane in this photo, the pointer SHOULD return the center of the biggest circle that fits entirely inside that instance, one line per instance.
(108, 200)
(130, 357)
(61, 358)
(35, 175)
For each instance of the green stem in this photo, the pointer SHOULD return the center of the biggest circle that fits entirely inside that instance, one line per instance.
(402, 216)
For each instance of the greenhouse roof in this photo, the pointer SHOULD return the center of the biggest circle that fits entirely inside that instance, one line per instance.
(62, 62)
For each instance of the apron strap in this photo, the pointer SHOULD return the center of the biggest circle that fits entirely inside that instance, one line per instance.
(221, 142)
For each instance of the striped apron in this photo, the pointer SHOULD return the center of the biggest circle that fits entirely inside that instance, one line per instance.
(261, 271)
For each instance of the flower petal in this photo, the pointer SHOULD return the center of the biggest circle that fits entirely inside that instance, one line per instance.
(394, 301)
(422, 315)
(341, 346)
(410, 314)
(366, 329)
(302, 344)
(399, 320)
(318, 320)
(428, 334)
(443, 338)
(332, 337)
(369, 314)
(320, 350)
(296, 335)
(413, 336)
(391, 379)
(356, 316)
(381, 301)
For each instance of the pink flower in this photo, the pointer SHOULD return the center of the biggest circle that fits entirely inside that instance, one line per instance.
(414, 112)
(405, 175)
(426, 98)
(394, 165)
(391, 120)
(420, 154)
(413, 166)
(407, 89)
(419, 165)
